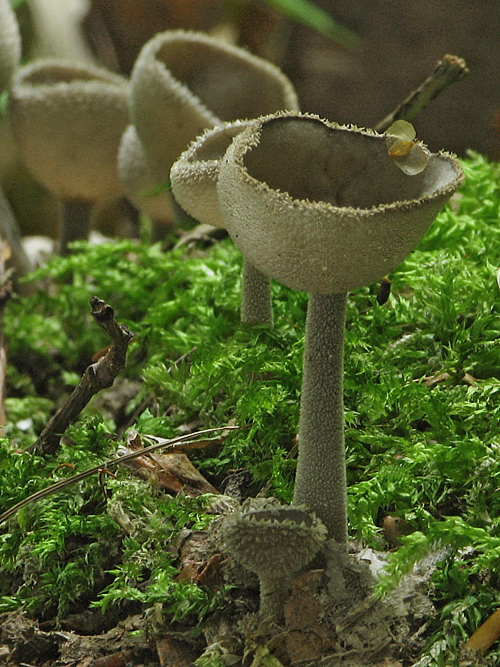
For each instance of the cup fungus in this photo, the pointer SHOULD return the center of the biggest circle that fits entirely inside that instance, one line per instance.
(194, 185)
(324, 208)
(10, 55)
(275, 544)
(68, 120)
(184, 82)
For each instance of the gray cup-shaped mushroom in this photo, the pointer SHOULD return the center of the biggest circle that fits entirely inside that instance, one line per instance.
(68, 120)
(183, 82)
(195, 173)
(324, 208)
(10, 43)
(194, 184)
(275, 544)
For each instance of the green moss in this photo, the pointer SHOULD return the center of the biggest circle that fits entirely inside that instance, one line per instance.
(421, 445)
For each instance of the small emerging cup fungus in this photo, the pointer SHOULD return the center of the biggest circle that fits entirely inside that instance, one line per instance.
(194, 175)
(324, 208)
(275, 544)
(184, 82)
(194, 184)
(68, 119)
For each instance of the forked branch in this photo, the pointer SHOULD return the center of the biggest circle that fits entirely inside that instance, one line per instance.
(97, 376)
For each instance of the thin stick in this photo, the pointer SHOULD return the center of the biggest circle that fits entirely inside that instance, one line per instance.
(448, 70)
(171, 445)
(486, 635)
(97, 376)
(10, 232)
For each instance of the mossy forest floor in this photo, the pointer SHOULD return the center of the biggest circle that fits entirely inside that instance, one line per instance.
(105, 560)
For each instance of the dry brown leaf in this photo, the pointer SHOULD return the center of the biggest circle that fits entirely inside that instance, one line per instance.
(307, 638)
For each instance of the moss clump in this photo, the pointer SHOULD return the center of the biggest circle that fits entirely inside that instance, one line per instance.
(422, 397)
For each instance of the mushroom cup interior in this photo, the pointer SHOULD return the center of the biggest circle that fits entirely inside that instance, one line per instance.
(47, 73)
(214, 144)
(336, 166)
(322, 207)
(229, 82)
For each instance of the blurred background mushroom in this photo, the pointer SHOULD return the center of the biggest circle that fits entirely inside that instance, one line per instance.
(144, 183)
(67, 120)
(10, 54)
(10, 44)
(182, 83)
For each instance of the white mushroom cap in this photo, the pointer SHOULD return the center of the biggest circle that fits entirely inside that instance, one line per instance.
(194, 175)
(322, 207)
(10, 43)
(141, 178)
(68, 119)
(183, 82)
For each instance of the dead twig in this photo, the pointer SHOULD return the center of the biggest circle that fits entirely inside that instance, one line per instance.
(484, 637)
(97, 376)
(179, 443)
(447, 71)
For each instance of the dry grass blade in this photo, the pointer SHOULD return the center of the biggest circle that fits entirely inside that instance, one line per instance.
(171, 445)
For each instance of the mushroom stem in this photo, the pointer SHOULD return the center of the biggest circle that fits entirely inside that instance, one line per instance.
(76, 222)
(274, 592)
(256, 304)
(320, 482)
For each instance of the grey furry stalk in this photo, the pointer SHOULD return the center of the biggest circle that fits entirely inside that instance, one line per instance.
(76, 223)
(321, 478)
(256, 304)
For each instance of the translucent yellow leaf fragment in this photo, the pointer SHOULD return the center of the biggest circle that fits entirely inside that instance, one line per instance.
(410, 156)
